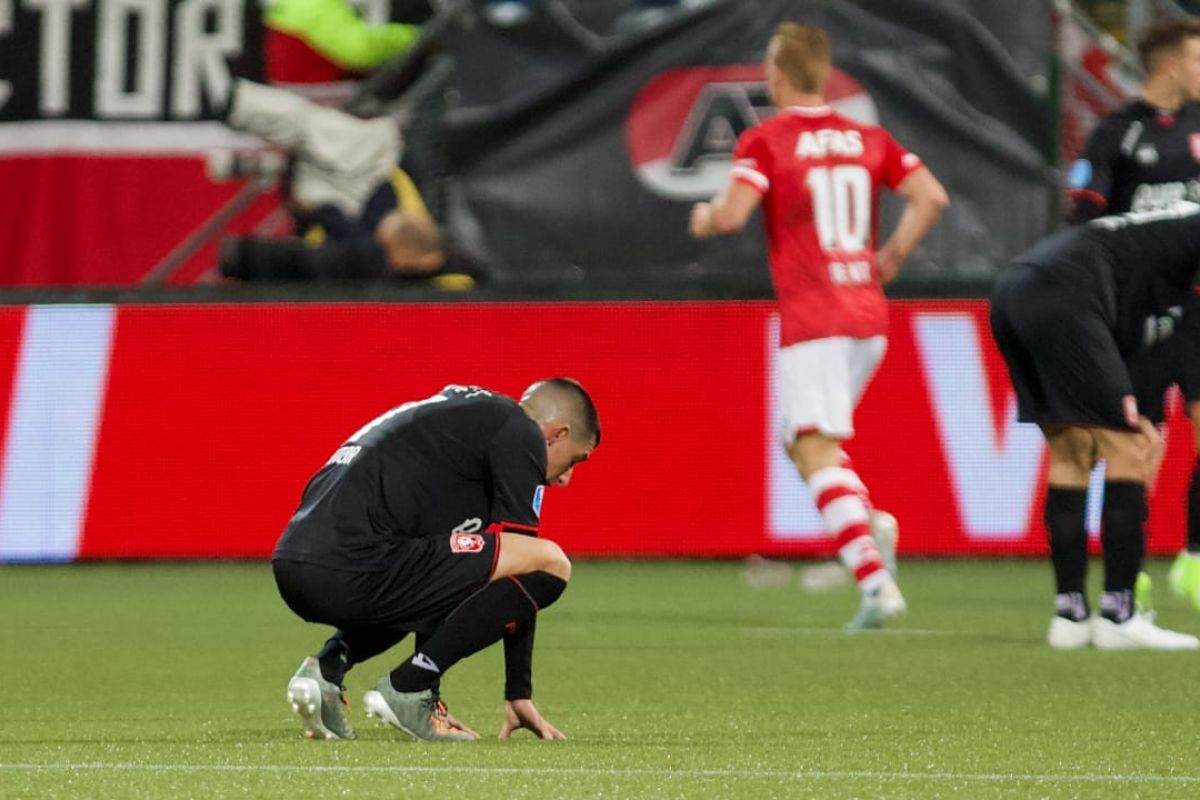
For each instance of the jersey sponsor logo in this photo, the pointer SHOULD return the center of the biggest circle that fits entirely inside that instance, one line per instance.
(1080, 175)
(827, 142)
(683, 124)
(466, 543)
(1154, 196)
(538, 493)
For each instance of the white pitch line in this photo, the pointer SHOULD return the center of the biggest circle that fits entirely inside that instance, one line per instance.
(615, 772)
(841, 634)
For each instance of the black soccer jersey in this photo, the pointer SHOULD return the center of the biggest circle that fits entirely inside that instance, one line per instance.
(1137, 270)
(1137, 159)
(462, 461)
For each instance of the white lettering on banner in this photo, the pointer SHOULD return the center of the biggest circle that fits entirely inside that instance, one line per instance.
(200, 55)
(136, 42)
(144, 98)
(55, 54)
(995, 468)
(58, 395)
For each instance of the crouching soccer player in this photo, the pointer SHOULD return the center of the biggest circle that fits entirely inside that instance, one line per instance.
(425, 522)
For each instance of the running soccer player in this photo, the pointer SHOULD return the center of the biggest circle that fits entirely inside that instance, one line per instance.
(1142, 157)
(425, 521)
(818, 176)
(1067, 316)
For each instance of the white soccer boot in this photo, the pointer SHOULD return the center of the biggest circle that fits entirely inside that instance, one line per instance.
(1139, 633)
(1069, 634)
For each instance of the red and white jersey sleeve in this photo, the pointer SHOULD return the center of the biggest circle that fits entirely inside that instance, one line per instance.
(820, 176)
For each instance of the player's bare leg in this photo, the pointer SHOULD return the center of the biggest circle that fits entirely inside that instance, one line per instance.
(842, 499)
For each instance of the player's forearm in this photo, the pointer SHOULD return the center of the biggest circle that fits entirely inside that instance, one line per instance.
(918, 218)
(518, 663)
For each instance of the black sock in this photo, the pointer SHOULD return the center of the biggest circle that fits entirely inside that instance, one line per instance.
(1193, 513)
(1066, 528)
(482, 619)
(1122, 538)
(334, 659)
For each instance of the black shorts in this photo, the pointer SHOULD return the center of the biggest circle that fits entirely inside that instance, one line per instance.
(1173, 362)
(413, 592)
(1062, 357)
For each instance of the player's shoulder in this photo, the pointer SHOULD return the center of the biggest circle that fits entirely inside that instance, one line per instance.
(1122, 117)
(1189, 113)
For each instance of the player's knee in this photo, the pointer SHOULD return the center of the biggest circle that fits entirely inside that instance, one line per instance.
(543, 587)
(555, 562)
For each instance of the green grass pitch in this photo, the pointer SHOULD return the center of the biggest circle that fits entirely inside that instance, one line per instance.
(669, 679)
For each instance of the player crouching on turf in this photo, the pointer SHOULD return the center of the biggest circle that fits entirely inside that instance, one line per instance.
(426, 522)
(817, 176)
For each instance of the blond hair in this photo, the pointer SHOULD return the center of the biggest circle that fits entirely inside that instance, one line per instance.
(802, 54)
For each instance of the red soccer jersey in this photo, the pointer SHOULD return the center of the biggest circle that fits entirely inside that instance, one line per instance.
(819, 174)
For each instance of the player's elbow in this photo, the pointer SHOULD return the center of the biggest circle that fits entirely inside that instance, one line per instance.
(937, 199)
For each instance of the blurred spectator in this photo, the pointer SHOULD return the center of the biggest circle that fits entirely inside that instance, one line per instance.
(320, 41)
(358, 214)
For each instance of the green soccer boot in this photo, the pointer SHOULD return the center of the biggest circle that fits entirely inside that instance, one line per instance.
(1184, 577)
(422, 715)
(322, 706)
(1143, 594)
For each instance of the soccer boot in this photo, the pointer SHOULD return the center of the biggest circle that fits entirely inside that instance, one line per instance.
(885, 531)
(877, 606)
(1069, 634)
(1184, 577)
(422, 715)
(322, 706)
(1139, 633)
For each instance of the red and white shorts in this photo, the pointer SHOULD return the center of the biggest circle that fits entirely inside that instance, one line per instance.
(821, 381)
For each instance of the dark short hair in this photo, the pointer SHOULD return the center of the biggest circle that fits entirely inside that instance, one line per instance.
(1164, 36)
(584, 408)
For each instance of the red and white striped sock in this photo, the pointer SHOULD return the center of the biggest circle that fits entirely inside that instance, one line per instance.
(842, 500)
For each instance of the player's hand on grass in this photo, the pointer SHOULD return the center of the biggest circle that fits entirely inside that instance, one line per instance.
(522, 714)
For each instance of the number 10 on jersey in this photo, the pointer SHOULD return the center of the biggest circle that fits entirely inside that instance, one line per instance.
(841, 203)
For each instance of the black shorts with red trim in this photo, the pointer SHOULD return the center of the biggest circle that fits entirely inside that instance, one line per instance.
(421, 583)
(1062, 357)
